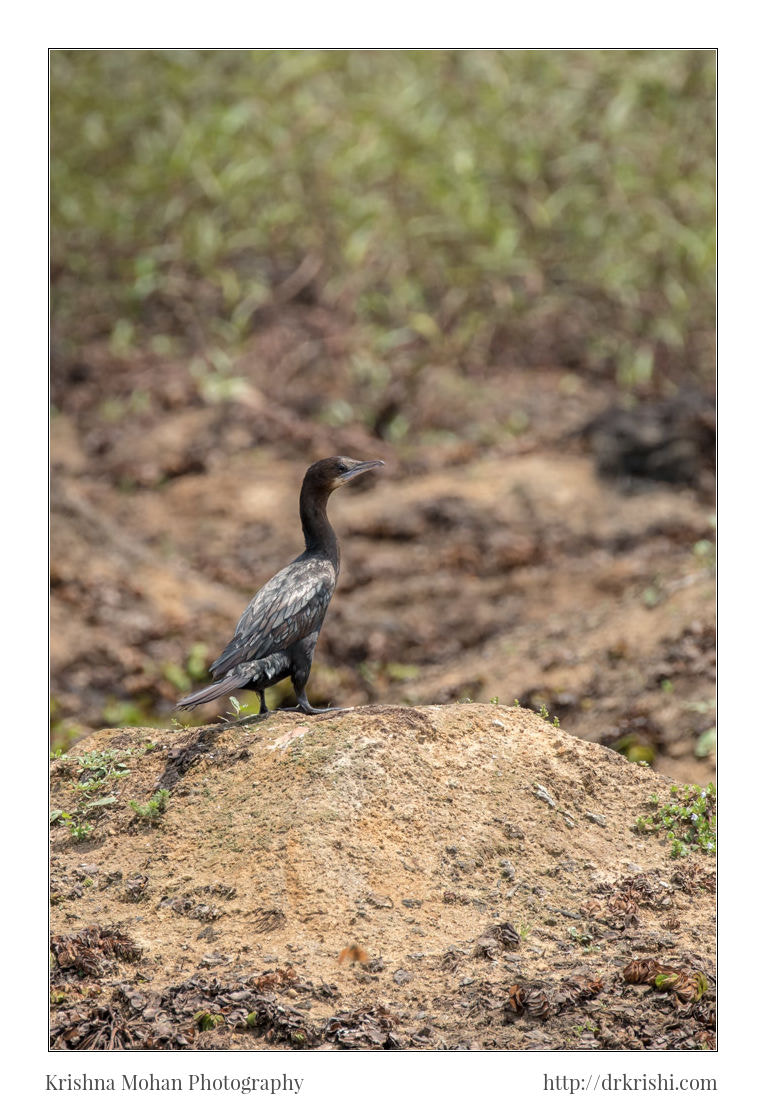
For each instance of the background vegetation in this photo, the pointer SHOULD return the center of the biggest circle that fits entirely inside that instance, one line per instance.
(456, 206)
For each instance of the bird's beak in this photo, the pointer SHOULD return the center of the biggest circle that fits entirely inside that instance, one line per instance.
(361, 468)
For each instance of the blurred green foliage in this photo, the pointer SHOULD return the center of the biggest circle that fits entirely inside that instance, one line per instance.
(454, 205)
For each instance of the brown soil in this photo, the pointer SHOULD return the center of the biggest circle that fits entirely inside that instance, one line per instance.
(476, 870)
(488, 560)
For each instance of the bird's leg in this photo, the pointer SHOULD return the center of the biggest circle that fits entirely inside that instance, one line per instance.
(263, 711)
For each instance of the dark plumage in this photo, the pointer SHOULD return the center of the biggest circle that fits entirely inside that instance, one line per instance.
(277, 633)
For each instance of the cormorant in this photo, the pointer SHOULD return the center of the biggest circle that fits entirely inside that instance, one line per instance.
(277, 633)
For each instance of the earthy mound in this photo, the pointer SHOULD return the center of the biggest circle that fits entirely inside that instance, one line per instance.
(454, 876)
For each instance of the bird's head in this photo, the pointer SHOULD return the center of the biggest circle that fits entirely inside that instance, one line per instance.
(337, 471)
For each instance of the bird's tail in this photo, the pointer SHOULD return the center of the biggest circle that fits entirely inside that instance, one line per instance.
(225, 685)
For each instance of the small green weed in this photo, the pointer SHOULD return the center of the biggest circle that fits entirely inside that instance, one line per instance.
(110, 758)
(79, 830)
(250, 709)
(580, 938)
(152, 810)
(98, 771)
(101, 768)
(689, 821)
(585, 940)
(544, 712)
(204, 1020)
(238, 708)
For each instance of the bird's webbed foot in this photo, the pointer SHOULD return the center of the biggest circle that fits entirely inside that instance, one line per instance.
(304, 706)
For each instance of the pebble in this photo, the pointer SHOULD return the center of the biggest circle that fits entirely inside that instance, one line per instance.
(542, 793)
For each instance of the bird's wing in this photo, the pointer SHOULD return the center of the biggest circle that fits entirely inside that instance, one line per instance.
(290, 606)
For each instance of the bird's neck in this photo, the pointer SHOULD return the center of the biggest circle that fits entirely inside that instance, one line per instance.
(317, 530)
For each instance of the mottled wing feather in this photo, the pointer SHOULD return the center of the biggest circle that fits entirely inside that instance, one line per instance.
(290, 606)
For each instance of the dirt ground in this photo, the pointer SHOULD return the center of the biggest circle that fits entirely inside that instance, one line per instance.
(535, 536)
(461, 876)
(504, 552)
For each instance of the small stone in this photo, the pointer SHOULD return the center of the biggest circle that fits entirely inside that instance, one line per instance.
(543, 794)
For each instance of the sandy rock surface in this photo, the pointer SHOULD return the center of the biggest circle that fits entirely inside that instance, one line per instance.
(440, 876)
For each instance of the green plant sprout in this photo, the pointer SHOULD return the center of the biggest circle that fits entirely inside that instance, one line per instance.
(152, 810)
(689, 822)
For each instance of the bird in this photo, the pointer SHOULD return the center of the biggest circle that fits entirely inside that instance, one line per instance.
(276, 635)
